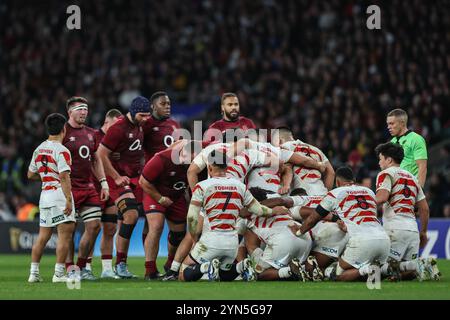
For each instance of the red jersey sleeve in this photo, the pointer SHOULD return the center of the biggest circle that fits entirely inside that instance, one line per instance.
(112, 138)
(251, 124)
(153, 168)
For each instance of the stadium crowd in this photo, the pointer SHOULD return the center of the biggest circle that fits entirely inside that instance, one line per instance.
(310, 65)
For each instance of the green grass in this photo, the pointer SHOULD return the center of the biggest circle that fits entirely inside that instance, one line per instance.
(14, 274)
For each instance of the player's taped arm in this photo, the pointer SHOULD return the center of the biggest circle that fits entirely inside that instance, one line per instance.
(192, 218)
(103, 155)
(313, 218)
(258, 209)
(328, 176)
(192, 175)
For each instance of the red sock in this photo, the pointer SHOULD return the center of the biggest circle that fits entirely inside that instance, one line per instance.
(107, 257)
(81, 263)
(168, 263)
(68, 264)
(121, 257)
(150, 267)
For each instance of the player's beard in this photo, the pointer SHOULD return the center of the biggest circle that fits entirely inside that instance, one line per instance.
(232, 117)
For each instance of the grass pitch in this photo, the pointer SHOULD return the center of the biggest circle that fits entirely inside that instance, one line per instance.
(14, 270)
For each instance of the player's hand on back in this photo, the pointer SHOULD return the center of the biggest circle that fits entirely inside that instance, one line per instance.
(283, 190)
(122, 181)
(68, 208)
(295, 227)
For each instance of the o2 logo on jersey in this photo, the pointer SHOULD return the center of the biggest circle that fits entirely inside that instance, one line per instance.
(84, 152)
(136, 145)
(168, 140)
(180, 185)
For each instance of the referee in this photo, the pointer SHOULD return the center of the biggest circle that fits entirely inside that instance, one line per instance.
(413, 144)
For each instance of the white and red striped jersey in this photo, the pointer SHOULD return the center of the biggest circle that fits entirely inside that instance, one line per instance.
(49, 160)
(222, 199)
(304, 201)
(267, 178)
(308, 179)
(356, 206)
(405, 192)
(242, 164)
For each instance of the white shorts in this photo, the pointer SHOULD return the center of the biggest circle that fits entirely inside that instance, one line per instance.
(329, 239)
(282, 246)
(404, 244)
(212, 246)
(51, 217)
(360, 251)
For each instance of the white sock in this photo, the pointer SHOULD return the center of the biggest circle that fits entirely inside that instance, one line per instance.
(59, 269)
(384, 269)
(106, 264)
(240, 267)
(365, 270)
(284, 273)
(408, 266)
(34, 267)
(175, 266)
(204, 267)
(88, 267)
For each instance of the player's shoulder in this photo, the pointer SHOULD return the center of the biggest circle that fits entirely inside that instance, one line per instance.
(246, 120)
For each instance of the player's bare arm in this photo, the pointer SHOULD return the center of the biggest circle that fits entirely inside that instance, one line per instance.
(33, 176)
(287, 175)
(310, 222)
(192, 175)
(305, 212)
(261, 210)
(67, 190)
(303, 161)
(328, 176)
(99, 173)
(422, 174)
(150, 189)
(382, 196)
(424, 215)
(104, 154)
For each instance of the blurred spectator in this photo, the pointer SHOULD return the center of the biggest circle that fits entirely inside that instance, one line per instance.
(311, 65)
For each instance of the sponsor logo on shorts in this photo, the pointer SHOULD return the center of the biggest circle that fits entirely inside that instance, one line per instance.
(58, 218)
(395, 253)
(414, 256)
(330, 250)
(43, 220)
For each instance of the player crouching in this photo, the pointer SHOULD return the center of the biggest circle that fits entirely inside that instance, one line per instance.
(222, 198)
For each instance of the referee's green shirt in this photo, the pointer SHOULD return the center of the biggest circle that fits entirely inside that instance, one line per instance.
(414, 148)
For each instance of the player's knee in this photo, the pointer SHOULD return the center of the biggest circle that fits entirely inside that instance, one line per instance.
(126, 230)
(127, 205)
(175, 237)
(109, 229)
